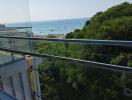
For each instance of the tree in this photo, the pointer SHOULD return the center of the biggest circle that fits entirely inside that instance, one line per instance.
(69, 81)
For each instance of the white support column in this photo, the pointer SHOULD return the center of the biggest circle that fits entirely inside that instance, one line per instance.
(7, 85)
(26, 86)
(18, 87)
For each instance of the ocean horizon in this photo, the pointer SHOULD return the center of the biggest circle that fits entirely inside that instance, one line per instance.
(53, 26)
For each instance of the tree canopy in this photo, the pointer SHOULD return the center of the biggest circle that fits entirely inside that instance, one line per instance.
(61, 80)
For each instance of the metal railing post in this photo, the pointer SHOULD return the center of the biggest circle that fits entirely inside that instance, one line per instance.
(11, 46)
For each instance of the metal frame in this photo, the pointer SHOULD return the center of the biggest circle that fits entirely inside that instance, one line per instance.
(84, 62)
(84, 41)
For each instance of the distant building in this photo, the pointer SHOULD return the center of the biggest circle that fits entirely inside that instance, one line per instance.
(2, 26)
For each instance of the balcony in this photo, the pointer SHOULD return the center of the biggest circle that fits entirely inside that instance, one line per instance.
(20, 46)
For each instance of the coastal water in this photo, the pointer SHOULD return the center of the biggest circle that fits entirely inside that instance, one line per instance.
(58, 26)
(55, 26)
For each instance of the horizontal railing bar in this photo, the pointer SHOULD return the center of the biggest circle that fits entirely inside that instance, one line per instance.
(87, 63)
(85, 41)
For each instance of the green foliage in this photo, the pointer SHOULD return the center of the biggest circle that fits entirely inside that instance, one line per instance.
(70, 35)
(121, 60)
(63, 80)
(115, 23)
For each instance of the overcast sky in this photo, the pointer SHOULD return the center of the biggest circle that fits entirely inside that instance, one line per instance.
(63, 9)
(18, 10)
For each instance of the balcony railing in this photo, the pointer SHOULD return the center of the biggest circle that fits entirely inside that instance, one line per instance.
(11, 48)
(28, 48)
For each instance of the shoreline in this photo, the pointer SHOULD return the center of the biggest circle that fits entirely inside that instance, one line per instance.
(60, 36)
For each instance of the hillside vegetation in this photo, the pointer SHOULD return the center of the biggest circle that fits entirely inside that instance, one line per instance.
(115, 24)
(64, 80)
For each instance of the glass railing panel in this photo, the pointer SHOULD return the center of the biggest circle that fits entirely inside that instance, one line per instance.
(51, 48)
(22, 45)
(16, 44)
(13, 44)
(110, 54)
(5, 57)
(8, 58)
(5, 43)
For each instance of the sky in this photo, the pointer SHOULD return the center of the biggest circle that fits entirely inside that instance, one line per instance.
(14, 11)
(37, 10)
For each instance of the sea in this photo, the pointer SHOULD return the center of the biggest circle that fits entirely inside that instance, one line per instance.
(55, 26)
